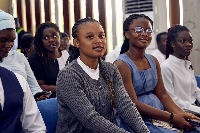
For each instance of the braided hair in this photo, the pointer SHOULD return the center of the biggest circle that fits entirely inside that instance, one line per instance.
(127, 23)
(39, 48)
(75, 54)
(26, 43)
(171, 36)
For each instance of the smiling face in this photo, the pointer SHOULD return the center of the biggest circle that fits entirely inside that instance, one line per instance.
(7, 37)
(90, 40)
(141, 40)
(183, 44)
(50, 39)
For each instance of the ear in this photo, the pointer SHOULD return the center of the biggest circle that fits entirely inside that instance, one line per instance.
(76, 43)
(172, 44)
(127, 35)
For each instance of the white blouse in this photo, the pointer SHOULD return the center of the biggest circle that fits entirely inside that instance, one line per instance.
(31, 118)
(180, 83)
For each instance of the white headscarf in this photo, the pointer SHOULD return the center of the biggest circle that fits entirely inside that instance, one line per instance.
(6, 21)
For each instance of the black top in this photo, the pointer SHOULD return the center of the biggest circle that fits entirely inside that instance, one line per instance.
(47, 71)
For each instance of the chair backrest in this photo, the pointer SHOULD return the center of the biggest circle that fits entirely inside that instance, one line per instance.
(198, 80)
(49, 111)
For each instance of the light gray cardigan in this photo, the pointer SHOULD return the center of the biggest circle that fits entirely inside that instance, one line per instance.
(85, 104)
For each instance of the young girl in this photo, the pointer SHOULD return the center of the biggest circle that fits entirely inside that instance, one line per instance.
(177, 71)
(88, 89)
(47, 59)
(142, 78)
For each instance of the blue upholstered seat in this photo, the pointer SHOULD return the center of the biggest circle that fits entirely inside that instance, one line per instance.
(198, 80)
(49, 111)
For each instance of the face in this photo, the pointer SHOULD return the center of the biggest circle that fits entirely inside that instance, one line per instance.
(7, 38)
(64, 43)
(51, 39)
(162, 43)
(91, 40)
(139, 40)
(183, 44)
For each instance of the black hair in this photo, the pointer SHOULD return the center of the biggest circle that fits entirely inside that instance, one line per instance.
(63, 34)
(26, 43)
(171, 36)
(128, 21)
(39, 48)
(158, 37)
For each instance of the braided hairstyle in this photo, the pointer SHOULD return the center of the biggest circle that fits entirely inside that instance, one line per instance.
(127, 23)
(39, 48)
(171, 36)
(26, 43)
(75, 54)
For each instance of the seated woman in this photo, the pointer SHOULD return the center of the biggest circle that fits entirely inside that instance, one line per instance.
(18, 110)
(11, 59)
(48, 59)
(142, 79)
(177, 71)
(89, 89)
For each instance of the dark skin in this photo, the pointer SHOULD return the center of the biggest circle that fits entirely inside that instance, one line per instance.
(137, 46)
(51, 42)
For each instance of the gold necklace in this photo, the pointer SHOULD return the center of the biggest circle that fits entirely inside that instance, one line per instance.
(141, 60)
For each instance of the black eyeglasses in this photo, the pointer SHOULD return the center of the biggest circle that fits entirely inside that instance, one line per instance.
(140, 30)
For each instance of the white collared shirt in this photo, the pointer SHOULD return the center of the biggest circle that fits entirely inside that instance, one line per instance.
(31, 118)
(159, 56)
(93, 73)
(179, 81)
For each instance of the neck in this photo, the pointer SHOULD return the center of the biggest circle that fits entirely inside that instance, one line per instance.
(54, 55)
(91, 63)
(139, 56)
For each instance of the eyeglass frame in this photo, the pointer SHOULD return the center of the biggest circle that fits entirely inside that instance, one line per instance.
(149, 34)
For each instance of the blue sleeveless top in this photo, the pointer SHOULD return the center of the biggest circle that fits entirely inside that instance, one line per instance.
(145, 81)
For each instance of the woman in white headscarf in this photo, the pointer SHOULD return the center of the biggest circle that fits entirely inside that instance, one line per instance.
(14, 60)
(18, 109)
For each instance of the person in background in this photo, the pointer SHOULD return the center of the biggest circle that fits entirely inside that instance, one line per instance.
(88, 89)
(142, 79)
(47, 59)
(177, 71)
(64, 41)
(18, 110)
(27, 44)
(14, 60)
(160, 53)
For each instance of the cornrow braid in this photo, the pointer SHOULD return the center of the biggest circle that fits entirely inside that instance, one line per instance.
(110, 88)
(39, 48)
(75, 54)
(128, 21)
(171, 35)
(25, 43)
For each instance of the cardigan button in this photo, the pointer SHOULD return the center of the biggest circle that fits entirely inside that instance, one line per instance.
(103, 105)
(100, 87)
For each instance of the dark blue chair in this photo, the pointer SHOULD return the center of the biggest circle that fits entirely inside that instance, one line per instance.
(198, 80)
(49, 111)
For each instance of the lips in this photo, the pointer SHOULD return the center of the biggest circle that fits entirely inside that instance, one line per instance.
(52, 46)
(99, 48)
(143, 40)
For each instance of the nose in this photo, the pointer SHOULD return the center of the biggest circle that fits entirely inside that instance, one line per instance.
(144, 33)
(188, 44)
(98, 40)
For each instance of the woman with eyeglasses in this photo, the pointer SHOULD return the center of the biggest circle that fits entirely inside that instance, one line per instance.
(142, 79)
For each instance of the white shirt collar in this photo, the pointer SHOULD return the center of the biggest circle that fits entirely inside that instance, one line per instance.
(181, 62)
(93, 73)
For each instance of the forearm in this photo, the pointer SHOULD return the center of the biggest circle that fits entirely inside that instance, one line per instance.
(170, 105)
(151, 112)
(51, 88)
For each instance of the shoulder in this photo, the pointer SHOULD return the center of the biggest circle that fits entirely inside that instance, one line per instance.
(33, 56)
(15, 53)
(22, 81)
(65, 53)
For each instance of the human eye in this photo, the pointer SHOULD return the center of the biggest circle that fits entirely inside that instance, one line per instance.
(102, 35)
(45, 38)
(3, 40)
(182, 40)
(90, 37)
(191, 41)
(139, 29)
(54, 36)
(149, 31)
